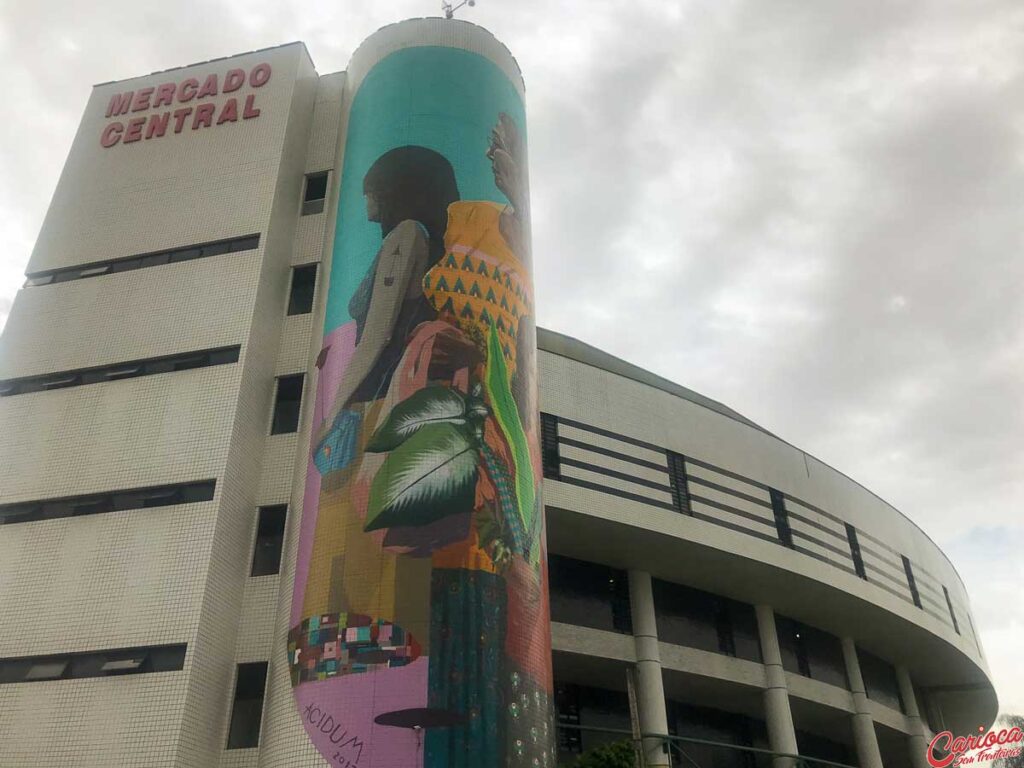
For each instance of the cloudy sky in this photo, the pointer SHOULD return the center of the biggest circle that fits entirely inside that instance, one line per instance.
(810, 211)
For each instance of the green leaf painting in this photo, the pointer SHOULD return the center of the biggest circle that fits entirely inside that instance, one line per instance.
(429, 476)
(506, 413)
(431, 405)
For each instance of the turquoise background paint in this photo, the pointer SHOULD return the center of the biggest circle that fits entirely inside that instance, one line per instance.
(444, 99)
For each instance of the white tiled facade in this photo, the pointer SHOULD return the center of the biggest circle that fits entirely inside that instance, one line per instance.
(180, 574)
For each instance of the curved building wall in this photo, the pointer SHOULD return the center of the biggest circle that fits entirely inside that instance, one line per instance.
(650, 475)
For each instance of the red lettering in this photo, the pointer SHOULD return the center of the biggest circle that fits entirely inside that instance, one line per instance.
(179, 118)
(141, 101)
(209, 87)
(157, 125)
(1015, 735)
(260, 75)
(249, 111)
(233, 80)
(120, 103)
(111, 135)
(187, 89)
(948, 759)
(229, 112)
(204, 116)
(164, 95)
(134, 131)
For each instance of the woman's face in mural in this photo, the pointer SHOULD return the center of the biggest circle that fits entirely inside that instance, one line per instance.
(372, 206)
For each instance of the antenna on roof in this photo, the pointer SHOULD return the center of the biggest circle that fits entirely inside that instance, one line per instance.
(449, 9)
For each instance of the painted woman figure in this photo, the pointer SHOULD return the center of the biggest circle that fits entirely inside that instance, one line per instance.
(352, 577)
(429, 526)
(408, 191)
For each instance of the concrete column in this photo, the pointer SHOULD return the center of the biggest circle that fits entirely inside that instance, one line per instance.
(650, 691)
(777, 714)
(917, 740)
(864, 738)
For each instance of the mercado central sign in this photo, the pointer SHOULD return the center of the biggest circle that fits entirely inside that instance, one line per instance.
(183, 106)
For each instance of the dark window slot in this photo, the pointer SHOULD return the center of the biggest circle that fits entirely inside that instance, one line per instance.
(908, 569)
(880, 681)
(855, 553)
(702, 620)
(302, 290)
(94, 504)
(287, 404)
(141, 261)
(589, 595)
(550, 453)
(782, 528)
(811, 652)
(266, 556)
(315, 193)
(952, 613)
(247, 706)
(109, 663)
(679, 481)
(119, 371)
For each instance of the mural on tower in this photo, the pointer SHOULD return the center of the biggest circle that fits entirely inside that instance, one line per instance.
(419, 624)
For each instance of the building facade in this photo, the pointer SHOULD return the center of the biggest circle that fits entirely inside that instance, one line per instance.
(160, 394)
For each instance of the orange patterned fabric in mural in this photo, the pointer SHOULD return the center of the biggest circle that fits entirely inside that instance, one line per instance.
(480, 283)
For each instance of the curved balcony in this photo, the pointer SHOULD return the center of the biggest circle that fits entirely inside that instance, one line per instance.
(644, 475)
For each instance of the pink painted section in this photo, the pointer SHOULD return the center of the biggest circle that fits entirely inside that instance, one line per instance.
(342, 343)
(351, 708)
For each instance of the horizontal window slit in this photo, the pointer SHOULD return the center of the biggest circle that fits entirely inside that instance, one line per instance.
(143, 260)
(123, 370)
(113, 501)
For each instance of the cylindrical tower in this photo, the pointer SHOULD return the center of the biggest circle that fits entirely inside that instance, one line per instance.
(418, 631)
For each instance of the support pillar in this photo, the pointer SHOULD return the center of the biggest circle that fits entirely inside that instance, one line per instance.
(864, 737)
(917, 739)
(650, 690)
(777, 714)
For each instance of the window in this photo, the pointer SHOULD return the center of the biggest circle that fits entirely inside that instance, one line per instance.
(550, 454)
(120, 661)
(820, 748)
(715, 728)
(118, 371)
(679, 481)
(567, 705)
(880, 682)
(141, 261)
(952, 613)
(911, 582)
(94, 504)
(588, 708)
(266, 556)
(46, 669)
(300, 296)
(811, 652)
(316, 192)
(855, 554)
(247, 709)
(782, 528)
(287, 401)
(702, 620)
(589, 595)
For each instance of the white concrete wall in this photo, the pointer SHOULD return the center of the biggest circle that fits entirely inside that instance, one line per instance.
(169, 574)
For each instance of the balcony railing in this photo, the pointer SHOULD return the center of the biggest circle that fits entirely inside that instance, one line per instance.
(681, 751)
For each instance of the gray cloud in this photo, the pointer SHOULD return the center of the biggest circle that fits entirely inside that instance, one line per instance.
(806, 210)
